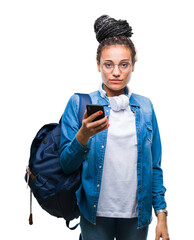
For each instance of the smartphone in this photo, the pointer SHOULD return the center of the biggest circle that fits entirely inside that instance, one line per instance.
(92, 108)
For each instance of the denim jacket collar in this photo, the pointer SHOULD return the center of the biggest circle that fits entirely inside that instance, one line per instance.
(103, 98)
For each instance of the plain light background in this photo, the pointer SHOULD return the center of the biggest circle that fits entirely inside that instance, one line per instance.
(48, 52)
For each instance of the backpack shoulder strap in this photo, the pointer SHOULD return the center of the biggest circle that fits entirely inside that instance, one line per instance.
(84, 99)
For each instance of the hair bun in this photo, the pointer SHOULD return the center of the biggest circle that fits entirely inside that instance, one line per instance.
(106, 26)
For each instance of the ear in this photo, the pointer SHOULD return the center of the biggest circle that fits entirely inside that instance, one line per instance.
(98, 66)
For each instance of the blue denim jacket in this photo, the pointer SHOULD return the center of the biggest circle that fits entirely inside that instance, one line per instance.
(150, 189)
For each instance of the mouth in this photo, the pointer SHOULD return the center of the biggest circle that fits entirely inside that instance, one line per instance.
(115, 80)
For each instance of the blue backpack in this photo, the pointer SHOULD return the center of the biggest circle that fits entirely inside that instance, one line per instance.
(53, 189)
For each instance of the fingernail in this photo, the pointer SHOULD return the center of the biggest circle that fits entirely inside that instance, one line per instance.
(107, 117)
(108, 125)
(100, 112)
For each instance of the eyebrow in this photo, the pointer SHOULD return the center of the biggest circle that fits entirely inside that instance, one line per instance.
(120, 61)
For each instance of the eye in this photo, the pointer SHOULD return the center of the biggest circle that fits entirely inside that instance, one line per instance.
(124, 64)
(108, 65)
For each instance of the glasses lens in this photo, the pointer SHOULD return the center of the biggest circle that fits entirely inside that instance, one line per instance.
(124, 66)
(108, 67)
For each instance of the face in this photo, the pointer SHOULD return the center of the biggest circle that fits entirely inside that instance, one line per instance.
(115, 81)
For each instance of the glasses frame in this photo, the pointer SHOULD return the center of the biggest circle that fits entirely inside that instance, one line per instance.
(103, 62)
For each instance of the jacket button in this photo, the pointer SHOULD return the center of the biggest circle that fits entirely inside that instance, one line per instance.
(98, 185)
(85, 151)
(140, 149)
(94, 206)
(136, 111)
(139, 130)
(102, 146)
(100, 166)
(139, 188)
(139, 208)
(139, 169)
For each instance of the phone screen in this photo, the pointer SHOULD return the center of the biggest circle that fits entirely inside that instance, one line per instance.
(92, 108)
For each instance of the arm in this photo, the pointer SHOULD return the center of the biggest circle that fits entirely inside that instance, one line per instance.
(75, 142)
(158, 190)
(71, 150)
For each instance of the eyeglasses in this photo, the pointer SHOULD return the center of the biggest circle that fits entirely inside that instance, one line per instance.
(110, 66)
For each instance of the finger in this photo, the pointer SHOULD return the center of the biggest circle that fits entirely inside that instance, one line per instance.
(97, 123)
(102, 126)
(157, 238)
(100, 123)
(166, 238)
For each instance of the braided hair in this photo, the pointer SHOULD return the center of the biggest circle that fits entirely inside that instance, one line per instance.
(113, 32)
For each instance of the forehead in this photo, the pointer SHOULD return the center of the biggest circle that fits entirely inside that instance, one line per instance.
(116, 53)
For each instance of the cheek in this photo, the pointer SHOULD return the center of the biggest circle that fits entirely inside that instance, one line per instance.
(105, 76)
(128, 76)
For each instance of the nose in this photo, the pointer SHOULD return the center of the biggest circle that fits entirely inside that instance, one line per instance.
(116, 70)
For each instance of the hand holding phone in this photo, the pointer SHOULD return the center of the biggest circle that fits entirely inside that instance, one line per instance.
(93, 122)
(92, 108)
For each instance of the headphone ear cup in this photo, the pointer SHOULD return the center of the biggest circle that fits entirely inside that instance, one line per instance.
(118, 103)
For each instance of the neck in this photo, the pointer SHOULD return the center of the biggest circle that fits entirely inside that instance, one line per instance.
(113, 93)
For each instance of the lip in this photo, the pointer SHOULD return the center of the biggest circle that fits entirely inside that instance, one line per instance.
(115, 80)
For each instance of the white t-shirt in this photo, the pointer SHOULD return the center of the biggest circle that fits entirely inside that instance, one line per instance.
(118, 192)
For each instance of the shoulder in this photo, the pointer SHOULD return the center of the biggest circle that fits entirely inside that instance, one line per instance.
(94, 96)
(141, 99)
(72, 103)
(74, 99)
(144, 102)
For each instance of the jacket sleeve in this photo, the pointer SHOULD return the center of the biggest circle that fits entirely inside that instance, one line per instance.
(158, 190)
(71, 151)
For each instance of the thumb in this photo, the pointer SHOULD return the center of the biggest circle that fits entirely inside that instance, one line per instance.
(85, 114)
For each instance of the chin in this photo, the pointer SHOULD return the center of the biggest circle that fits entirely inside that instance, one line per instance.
(116, 86)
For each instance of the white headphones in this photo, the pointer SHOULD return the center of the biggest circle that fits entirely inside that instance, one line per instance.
(117, 103)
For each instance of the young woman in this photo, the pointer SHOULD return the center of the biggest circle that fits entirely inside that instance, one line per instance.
(121, 153)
